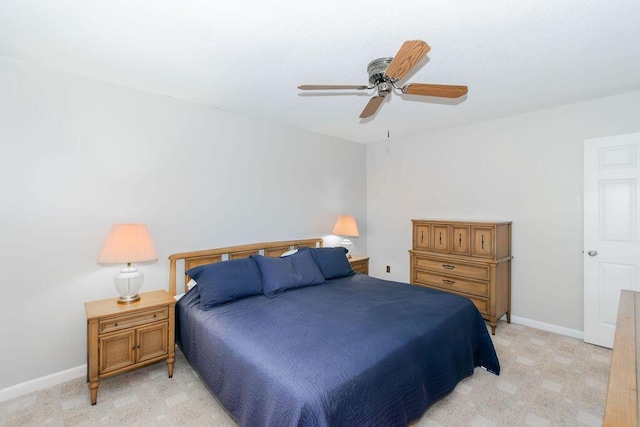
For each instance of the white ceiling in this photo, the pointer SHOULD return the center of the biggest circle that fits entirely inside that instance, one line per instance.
(249, 56)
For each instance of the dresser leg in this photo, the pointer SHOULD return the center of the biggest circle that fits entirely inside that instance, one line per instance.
(509, 316)
(493, 327)
(93, 388)
(170, 362)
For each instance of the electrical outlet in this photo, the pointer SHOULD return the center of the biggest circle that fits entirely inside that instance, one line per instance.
(388, 269)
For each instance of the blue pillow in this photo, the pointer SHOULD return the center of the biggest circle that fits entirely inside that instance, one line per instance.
(226, 281)
(280, 274)
(333, 262)
(307, 268)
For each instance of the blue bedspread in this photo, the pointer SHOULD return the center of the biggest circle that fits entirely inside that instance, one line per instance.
(353, 351)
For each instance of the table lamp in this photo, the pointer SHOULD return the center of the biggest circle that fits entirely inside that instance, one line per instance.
(128, 243)
(346, 226)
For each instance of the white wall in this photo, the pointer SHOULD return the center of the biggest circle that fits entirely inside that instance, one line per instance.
(527, 169)
(78, 155)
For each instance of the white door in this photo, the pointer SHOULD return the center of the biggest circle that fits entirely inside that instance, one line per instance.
(611, 239)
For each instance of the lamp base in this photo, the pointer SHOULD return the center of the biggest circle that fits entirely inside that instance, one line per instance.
(128, 299)
(347, 244)
(128, 282)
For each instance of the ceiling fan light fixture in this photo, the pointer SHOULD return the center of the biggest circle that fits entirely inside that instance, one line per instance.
(384, 88)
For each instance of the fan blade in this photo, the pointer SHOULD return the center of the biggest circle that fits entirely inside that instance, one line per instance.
(411, 52)
(330, 87)
(372, 106)
(442, 91)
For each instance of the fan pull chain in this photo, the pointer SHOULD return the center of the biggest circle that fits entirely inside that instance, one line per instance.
(387, 147)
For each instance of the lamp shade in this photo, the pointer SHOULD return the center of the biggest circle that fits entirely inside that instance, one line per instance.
(346, 226)
(128, 243)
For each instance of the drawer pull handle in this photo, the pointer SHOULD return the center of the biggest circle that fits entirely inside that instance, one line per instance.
(440, 238)
(422, 236)
(448, 267)
(115, 324)
(460, 241)
(483, 241)
(448, 282)
(155, 315)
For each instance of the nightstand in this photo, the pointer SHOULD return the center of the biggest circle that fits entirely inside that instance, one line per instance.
(360, 264)
(124, 337)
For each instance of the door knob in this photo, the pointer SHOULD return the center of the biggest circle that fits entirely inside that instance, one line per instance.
(592, 253)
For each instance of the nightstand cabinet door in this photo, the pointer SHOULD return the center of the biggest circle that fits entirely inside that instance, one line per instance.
(117, 351)
(152, 342)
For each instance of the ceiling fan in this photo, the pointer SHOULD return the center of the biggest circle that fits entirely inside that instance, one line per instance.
(384, 73)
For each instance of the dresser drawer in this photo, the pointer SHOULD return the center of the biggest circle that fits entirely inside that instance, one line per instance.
(451, 283)
(440, 242)
(460, 240)
(482, 242)
(139, 318)
(421, 234)
(481, 304)
(473, 271)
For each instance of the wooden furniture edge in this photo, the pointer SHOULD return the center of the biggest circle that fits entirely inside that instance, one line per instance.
(480, 222)
(621, 408)
(464, 258)
(215, 255)
(110, 306)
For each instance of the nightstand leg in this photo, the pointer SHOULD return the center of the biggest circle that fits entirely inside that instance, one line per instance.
(509, 316)
(93, 387)
(493, 327)
(170, 361)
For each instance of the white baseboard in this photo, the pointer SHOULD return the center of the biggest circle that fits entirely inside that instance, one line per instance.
(548, 327)
(42, 382)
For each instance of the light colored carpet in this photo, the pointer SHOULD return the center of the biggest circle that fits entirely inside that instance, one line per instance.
(546, 380)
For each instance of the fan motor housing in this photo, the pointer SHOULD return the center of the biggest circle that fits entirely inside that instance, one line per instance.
(376, 69)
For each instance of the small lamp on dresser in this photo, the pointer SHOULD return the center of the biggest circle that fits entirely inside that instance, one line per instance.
(126, 244)
(346, 226)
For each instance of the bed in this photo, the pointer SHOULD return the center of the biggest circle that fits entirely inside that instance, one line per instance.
(352, 350)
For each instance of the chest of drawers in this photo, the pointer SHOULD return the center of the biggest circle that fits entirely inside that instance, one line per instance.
(468, 258)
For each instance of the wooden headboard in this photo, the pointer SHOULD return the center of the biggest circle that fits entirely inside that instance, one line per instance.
(209, 256)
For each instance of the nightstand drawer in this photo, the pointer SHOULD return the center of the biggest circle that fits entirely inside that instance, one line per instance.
(451, 283)
(360, 266)
(473, 271)
(134, 319)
